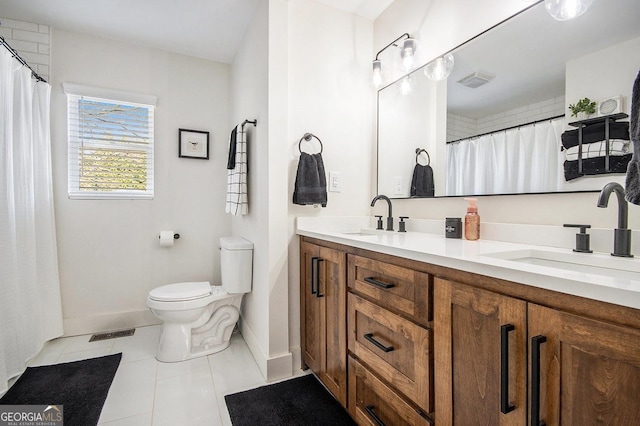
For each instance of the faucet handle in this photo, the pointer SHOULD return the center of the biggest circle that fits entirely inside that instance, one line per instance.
(379, 222)
(582, 238)
(402, 224)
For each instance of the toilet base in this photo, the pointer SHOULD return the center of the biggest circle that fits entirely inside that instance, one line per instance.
(181, 342)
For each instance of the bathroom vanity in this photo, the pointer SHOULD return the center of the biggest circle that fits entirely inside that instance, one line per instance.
(418, 329)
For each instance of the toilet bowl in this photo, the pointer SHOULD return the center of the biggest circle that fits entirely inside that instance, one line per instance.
(198, 318)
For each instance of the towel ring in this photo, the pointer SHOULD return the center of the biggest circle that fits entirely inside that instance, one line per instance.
(307, 137)
(419, 151)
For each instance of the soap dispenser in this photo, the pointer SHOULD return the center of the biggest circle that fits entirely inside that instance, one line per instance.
(472, 221)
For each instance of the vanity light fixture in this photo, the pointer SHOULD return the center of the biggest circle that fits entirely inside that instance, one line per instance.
(407, 53)
(405, 85)
(439, 68)
(563, 10)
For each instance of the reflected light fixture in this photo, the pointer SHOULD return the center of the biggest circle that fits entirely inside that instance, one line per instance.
(563, 10)
(439, 68)
(405, 85)
(407, 53)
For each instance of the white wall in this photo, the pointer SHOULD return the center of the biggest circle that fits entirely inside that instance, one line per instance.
(108, 249)
(443, 25)
(330, 96)
(259, 90)
(32, 42)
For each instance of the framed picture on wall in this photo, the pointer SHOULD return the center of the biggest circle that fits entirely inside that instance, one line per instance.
(193, 144)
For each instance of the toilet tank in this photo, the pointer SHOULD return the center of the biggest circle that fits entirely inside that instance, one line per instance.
(236, 264)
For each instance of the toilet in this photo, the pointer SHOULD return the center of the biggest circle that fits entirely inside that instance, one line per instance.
(198, 318)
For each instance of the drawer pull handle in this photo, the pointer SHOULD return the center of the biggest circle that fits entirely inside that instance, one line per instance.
(505, 405)
(369, 337)
(536, 342)
(377, 283)
(369, 409)
(318, 277)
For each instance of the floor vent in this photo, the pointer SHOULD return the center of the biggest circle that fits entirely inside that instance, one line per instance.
(112, 335)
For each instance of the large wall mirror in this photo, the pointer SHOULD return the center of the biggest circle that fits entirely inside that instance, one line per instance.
(496, 124)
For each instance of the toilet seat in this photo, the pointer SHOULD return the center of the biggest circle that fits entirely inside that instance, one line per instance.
(180, 292)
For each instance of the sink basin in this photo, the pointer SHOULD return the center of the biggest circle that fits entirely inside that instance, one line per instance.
(361, 232)
(598, 264)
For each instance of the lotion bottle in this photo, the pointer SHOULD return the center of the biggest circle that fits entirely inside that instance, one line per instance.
(472, 221)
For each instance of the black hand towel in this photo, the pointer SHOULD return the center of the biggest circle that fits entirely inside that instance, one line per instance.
(422, 181)
(311, 181)
(231, 162)
(632, 184)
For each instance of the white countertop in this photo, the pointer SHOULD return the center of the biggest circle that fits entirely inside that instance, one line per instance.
(476, 257)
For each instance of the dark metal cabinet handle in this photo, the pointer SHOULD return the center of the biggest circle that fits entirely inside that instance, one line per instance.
(369, 337)
(377, 283)
(318, 277)
(536, 342)
(369, 409)
(314, 267)
(505, 405)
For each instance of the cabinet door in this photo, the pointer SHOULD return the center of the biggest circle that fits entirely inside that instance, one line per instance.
(589, 371)
(323, 313)
(469, 337)
(311, 308)
(332, 291)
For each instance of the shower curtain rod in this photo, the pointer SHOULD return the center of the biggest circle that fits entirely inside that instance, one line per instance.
(15, 54)
(508, 128)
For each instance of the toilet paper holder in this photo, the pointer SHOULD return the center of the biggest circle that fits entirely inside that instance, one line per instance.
(175, 236)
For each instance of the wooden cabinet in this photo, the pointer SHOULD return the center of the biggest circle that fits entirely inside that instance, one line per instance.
(389, 341)
(491, 351)
(323, 315)
(372, 402)
(587, 371)
(468, 341)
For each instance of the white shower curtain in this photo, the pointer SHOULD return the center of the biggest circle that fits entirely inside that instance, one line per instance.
(519, 160)
(30, 307)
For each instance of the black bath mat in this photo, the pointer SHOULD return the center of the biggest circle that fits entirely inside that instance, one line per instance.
(300, 401)
(81, 387)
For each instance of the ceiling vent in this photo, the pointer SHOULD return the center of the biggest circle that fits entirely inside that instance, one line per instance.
(476, 79)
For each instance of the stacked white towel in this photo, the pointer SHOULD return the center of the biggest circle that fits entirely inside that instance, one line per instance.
(237, 200)
(598, 149)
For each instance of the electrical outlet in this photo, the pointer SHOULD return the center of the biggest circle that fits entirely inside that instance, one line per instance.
(398, 185)
(335, 182)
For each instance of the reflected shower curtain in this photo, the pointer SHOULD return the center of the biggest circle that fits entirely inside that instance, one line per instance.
(519, 160)
(30, 307)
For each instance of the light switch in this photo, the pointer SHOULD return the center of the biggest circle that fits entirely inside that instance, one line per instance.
(335, 182)
(398, 185)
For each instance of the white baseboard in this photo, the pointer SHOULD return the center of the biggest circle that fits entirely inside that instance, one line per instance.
(272, 368)
(108, 322)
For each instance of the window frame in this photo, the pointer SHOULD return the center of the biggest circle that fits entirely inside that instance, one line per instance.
(77, 92)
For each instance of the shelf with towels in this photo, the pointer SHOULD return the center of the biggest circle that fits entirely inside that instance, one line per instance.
(582, 124)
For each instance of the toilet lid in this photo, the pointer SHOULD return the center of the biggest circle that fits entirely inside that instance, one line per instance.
(181, 291)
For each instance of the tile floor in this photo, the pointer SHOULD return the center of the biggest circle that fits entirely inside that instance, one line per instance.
(146, 392)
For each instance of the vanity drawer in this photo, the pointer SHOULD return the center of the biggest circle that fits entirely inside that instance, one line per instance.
(395, 348)
(399, 289)
(371, 402)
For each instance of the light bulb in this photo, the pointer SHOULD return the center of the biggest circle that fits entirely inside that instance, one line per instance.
(377, 73)
(440, 68)
(407, 53)
(405, 85)
(563, 10)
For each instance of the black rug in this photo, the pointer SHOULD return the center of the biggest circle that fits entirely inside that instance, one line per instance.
(81, 387)
(300, 401)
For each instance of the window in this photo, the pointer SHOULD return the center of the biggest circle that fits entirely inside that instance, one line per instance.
(110, 136)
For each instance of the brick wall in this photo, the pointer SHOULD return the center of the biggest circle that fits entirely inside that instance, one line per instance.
(31, 41)
(459, 127)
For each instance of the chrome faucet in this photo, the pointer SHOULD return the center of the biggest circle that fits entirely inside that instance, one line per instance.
(390, 216)
(621, 235)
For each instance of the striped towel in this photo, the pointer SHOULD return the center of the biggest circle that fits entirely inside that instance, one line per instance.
(237, 201)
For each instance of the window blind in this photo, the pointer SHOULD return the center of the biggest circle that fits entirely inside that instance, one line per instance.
(110, 148)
